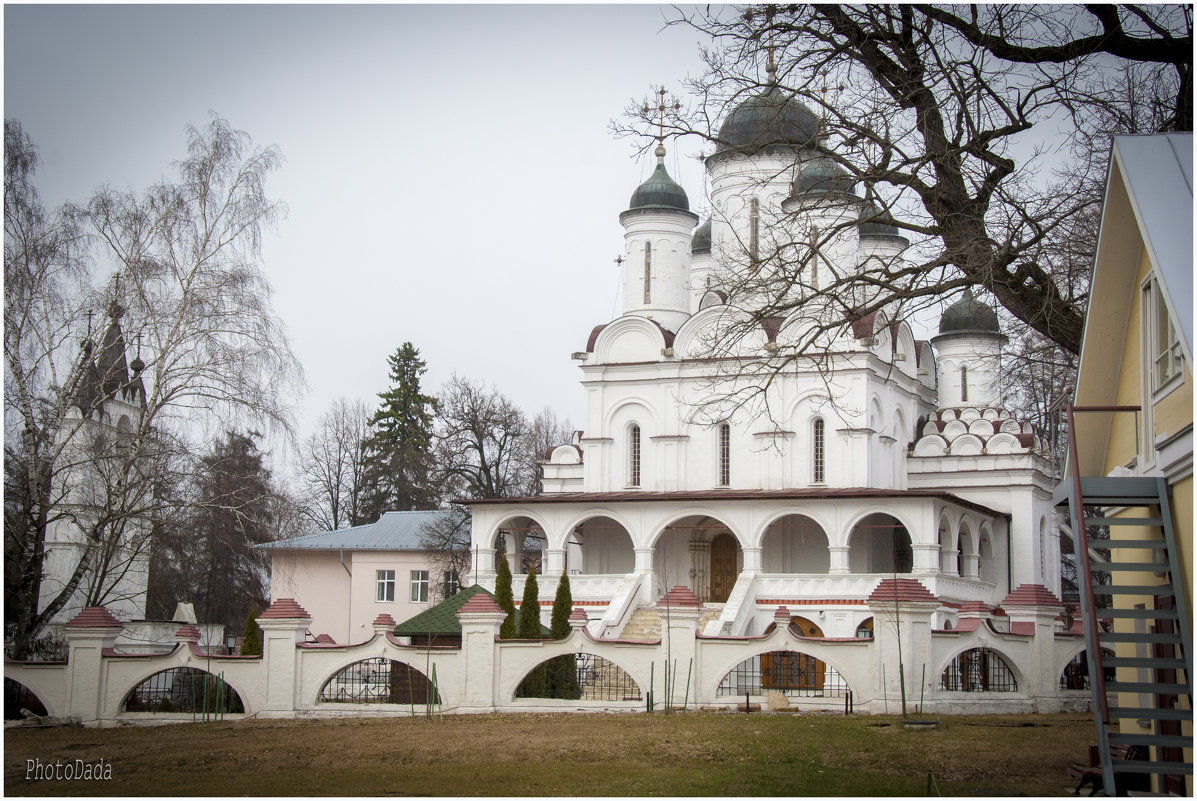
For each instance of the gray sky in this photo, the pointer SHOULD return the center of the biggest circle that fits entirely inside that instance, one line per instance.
(449, 171)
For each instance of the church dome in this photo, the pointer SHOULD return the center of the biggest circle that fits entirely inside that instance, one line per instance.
(659, 192)
(876, 221)
(701, 243)
(822, 174)
(969, 315)
(768, 119)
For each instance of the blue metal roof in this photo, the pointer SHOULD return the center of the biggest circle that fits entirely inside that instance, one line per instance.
(394, 531)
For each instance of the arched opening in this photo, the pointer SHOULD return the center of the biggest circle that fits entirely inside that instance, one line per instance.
(795, 544)
(605, 548)
(978, 670)
(521, 541)
(17, 697)
(183, 689)
(864, 629)
(986, 565)
(949, 562)
(378, 681)
(880, 544)
(579, 677)
(792, 673)
(1075, 675)
(701, 553)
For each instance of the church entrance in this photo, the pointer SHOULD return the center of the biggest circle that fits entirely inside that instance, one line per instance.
(724, 569)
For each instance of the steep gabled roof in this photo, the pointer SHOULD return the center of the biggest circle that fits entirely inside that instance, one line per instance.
(394, 531)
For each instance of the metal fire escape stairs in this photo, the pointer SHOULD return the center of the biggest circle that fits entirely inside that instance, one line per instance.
(1159, 674)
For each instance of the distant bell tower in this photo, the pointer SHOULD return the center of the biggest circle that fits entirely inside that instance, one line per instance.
(968, 352)
(658, 229)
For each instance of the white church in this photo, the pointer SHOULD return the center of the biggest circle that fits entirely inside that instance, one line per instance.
(715, 458)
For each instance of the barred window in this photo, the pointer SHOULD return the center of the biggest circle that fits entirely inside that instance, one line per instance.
(978, 670)
(384, 582)
(648, 272)
(724, 455)
(817, 450)
(963, 383)
(634, 456)
(754, 232)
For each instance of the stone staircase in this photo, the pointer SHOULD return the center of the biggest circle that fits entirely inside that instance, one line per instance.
(644, 624)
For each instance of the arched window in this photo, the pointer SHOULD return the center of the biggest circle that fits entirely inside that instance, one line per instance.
(183, 689)
(634, 456)
(724, 455)
(817, 451)
(978, 670)
(648, 272)
(754, 232)
(963, 383)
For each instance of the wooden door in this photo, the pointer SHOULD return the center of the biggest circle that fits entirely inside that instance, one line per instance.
(787, 670)
(723, 567)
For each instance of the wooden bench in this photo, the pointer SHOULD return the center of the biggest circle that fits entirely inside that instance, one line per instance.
(1091, 774)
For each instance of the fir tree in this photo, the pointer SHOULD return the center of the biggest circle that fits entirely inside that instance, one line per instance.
(251, 639)
(505, 599)
(398, 452)
(530, 608)
(562, 673)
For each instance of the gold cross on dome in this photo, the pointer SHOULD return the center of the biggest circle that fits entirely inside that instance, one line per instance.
(661, 108)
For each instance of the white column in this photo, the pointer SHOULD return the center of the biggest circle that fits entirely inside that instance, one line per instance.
(839, 560)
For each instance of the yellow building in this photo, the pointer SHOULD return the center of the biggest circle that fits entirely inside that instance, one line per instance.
(1136, 356)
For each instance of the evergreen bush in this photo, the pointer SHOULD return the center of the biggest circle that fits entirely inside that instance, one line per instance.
(504, 599)
(251, 638)
(562, 672)
(530, 608)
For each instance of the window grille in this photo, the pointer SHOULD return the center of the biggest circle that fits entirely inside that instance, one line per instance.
(754, 232)
(648, 271)
(183, 689)
(978, 670)
(817, 448)
(384, 581)
(17, 697)
(795, 674)
(594, 679)
(724, 455)
(1075, 675)
(963, 383)
(634, 456)
(377, 681)
(419, 587)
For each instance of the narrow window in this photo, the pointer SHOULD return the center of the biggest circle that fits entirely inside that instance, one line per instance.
(384, 582)
(817, 449)
(634, 456)
(963, 383)
(724, 455)
(452, 583)
(754, 232)
(648, 272)
(419, 587)
(1163, 341)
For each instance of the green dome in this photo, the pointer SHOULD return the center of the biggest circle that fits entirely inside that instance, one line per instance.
(659, 192)
(876, 221)
(969, 314)
(769, 119)
(822, 174)
(701, 243)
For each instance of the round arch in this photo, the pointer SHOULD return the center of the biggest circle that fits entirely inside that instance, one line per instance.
(699, 551)
(880, 543)
(982, 669)
(617, 416)
(524, 533)
(794, 543)
(856, 519)
(377, 680)
(803, 670)
(178, 688)
(20, 695)
(604, 543)
(578, 676)
(815, 515)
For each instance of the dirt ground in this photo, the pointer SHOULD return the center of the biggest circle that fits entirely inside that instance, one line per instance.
(579, 754)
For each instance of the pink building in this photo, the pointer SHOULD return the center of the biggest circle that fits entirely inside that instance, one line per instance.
(347, 578)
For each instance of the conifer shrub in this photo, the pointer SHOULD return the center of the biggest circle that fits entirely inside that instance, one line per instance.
(251, 638)
(561, 672)
(505, 599)
(530, 608)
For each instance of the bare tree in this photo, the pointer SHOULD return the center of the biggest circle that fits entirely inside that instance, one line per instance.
(939, 118)
(447, 540)
(545, 431)
(481, 441)
(331, 465)
(188, 297)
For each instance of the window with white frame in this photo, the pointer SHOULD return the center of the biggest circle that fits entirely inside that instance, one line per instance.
(634, 456)
(817, 451)
(964, 383)
(1160, 337)
(452, 583)
(419, 587)
(384, 583)
(724, 455)
(648, 272)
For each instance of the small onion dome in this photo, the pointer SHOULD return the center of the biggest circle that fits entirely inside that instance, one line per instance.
(876, 221)
(822, 174)
(772, 118)
(137, 365)
(701, 243)
(969, 314)
(659, 192)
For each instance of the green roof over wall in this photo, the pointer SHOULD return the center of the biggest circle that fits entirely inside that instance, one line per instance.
(442, 618)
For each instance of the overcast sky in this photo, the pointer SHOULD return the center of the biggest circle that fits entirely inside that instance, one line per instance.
(449, 171)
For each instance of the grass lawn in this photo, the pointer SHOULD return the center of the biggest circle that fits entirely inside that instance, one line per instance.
(610, 755)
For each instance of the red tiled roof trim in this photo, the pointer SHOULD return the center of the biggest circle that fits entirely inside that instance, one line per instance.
(893, 590)
(680, 596)
(810, 602)
(578, 614)
(479, 602)
(326, 639)
(187, 632)
(94, 617)
(1032, 595)
(284, 609)
(1023, 627)
(973, 607)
